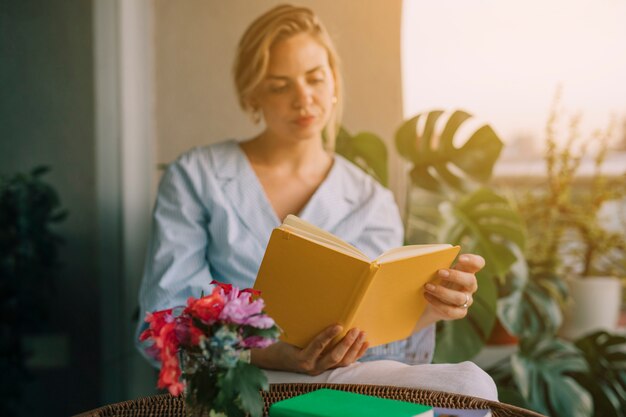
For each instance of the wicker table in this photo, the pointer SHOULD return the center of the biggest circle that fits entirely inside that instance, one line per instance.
(165, 405)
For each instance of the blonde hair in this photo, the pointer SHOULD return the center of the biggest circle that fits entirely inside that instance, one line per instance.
(253, 55)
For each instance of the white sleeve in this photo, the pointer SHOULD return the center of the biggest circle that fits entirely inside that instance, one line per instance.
(176, 266)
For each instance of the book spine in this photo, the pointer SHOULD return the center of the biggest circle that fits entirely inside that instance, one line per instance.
(354, 304)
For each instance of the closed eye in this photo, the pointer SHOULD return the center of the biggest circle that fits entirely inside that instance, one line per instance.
(278, 88)
(316, 80)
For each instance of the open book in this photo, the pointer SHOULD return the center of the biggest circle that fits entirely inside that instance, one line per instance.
(311, 279)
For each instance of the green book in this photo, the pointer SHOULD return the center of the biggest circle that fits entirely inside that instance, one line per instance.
(334, 403)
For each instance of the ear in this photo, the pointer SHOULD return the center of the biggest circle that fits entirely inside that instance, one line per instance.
(252, 101)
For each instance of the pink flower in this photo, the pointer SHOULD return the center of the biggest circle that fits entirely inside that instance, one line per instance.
(258, 342)
(260, 321)
(240, 309)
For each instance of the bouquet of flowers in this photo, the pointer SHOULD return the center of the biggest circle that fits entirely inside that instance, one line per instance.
(207, 343)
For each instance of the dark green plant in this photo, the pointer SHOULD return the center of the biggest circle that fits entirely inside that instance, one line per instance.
(28, 262)
(463, 210)
(539, 376)
(366, 150)
(605, 354)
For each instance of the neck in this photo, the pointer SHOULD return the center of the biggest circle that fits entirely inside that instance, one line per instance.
(294, 156)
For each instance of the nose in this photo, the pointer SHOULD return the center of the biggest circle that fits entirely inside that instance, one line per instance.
(303, 96)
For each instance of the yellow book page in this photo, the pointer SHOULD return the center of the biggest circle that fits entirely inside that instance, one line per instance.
(395, 299)
(307, 230)
(410, 250)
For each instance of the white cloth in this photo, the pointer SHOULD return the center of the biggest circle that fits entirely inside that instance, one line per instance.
(460, 378)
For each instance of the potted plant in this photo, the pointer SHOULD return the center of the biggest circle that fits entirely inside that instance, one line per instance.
(567, 235)
(29, 206)
(450, 201)
(546, 373)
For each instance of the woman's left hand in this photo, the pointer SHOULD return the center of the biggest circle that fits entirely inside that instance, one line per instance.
(451, 298)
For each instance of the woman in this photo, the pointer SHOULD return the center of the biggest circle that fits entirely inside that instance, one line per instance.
(218, 204)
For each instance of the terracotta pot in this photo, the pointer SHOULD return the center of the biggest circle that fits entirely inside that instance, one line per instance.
(500, 336)
(596, 304)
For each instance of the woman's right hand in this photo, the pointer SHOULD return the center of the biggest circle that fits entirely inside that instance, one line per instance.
(318, 356)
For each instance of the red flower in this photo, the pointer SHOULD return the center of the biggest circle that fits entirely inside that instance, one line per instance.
(227, 288)
(208, 308)
(255, 293)
(169, 376)
(157, 320)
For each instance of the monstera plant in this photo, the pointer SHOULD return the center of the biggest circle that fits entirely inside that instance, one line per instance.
(453, 179)
(450, 201)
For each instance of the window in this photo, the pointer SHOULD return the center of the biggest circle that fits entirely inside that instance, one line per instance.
(503, 61)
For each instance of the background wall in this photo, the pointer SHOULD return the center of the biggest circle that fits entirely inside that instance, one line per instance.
(46, 117)
(49, 114)
(195, 42)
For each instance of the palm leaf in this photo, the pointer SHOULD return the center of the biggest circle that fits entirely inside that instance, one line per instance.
(542, 368)
(606, 355)
(532, 306)
(437, 163)
(486, 224)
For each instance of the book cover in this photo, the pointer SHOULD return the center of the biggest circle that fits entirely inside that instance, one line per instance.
(310, 279)
(335, 403)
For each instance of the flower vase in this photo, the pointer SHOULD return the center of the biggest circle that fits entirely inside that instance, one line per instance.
(200, 377)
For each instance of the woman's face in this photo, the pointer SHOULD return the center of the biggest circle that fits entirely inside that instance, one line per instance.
(296, 96)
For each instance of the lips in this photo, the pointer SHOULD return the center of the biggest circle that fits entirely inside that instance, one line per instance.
(305, 121)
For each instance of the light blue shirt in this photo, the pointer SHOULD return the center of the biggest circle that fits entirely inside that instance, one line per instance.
(212, 220)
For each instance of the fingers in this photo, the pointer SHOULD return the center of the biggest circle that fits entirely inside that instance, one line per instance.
(321, 341)
(320, 356)
(337, 354)
(445, 311)
(459, 280)
(449, 296)
(470, 263)
(356, 350)
(450, 299)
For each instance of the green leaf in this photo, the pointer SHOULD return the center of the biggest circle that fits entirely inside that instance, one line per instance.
(367, 151)
(226, 400)
(249, 380)
(542, 370)
(406, 139)
(437, 163)
(605, 354)
(491, 225)
(532, 308)
(479, 154)
(270, 333)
